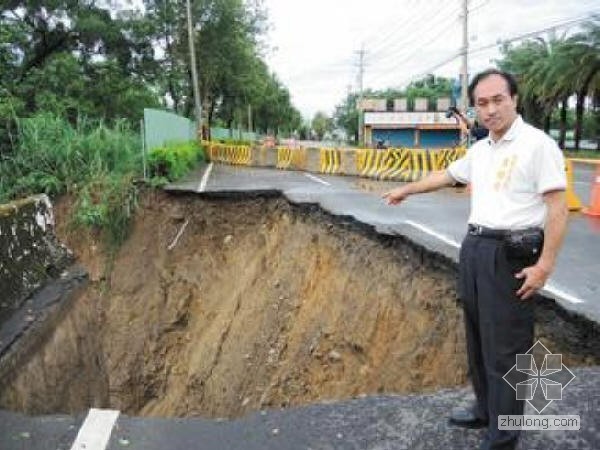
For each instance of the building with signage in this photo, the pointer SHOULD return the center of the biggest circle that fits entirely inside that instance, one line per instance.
(418, 128)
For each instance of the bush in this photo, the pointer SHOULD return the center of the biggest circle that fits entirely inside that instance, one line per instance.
(107, 204)
(49, 154)
(175, 160)
(94, 161)
(231, 141)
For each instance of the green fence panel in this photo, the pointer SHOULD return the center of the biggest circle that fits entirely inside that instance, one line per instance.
(161, 127)
(217, 133)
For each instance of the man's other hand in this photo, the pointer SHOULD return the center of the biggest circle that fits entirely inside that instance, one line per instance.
(395, 196)
(535, 279)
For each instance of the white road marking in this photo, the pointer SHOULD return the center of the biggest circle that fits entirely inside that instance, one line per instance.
(96, 429)
(317, 179)
(204, 180)
(562, 294)
(429, 231)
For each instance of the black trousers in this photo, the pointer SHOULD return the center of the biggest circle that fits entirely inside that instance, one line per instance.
(498, 326)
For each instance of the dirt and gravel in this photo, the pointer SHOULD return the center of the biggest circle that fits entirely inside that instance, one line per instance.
(217, 307)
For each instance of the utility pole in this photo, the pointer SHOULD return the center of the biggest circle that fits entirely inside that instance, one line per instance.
(361, 70)
(197, 105)
(465, 51)
(250, 118)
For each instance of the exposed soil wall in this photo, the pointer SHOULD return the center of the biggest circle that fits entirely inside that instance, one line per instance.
(216, 307)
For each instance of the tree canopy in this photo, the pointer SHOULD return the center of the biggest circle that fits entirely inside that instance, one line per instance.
(552, 71)
(92, 58)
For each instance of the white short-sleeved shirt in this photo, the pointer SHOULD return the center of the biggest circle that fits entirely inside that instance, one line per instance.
(509, 177)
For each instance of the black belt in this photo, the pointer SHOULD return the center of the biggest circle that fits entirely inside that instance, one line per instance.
(478, 230)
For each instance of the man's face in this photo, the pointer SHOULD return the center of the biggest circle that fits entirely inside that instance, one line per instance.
(495, 107)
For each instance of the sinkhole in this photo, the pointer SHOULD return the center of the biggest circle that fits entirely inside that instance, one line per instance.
(221, 306)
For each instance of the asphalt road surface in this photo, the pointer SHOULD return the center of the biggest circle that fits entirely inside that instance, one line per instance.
(436, 220)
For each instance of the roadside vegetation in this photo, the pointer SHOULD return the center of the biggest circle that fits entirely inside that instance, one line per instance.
(76, 77)
(583, 154)
(91, 160)
(173, 161)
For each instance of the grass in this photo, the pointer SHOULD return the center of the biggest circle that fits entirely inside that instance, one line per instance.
(92, 160)
(583, 154)
(95, 162)
(50, 155)
(107, 204)
(172, 161)
(233, 141)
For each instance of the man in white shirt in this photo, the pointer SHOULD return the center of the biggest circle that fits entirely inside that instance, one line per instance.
(518, 187)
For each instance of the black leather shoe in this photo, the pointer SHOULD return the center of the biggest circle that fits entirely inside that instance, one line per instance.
(466, 418)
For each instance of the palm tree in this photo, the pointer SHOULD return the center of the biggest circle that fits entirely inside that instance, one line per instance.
(520, 62)
(550, 72)
(583, 49)
(543, 81)
(551, 78)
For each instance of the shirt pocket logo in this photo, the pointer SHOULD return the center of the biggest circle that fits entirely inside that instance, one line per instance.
(504, 173)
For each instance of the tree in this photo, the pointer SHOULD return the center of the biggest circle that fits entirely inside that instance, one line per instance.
(233, 77)
(78, 57)
(346, 116)
(71, 57)
(550, 72)
(321, 124)
(430, 87)
(520, 62)
(584, 49)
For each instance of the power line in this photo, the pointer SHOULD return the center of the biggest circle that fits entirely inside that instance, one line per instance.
(342, 64)
(376, 34)
(412, 50)
(532, 33)
(485, 47)
(384, 43)
(431, 69)
(481, 5)
(415, 35)
(404, 60)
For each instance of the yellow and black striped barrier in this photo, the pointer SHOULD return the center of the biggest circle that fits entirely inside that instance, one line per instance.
(230, 154)
(399, 164)
(445, 156)
(369, 161)
(331, 159)
(402, 164)
(396, 164)
(291, 158)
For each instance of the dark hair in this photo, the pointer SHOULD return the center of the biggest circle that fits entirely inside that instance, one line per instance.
(509, 78)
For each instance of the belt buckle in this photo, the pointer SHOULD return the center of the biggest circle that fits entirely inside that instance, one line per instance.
(476, 230)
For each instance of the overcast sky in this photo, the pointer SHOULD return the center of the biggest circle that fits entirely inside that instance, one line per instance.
(315, 43)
